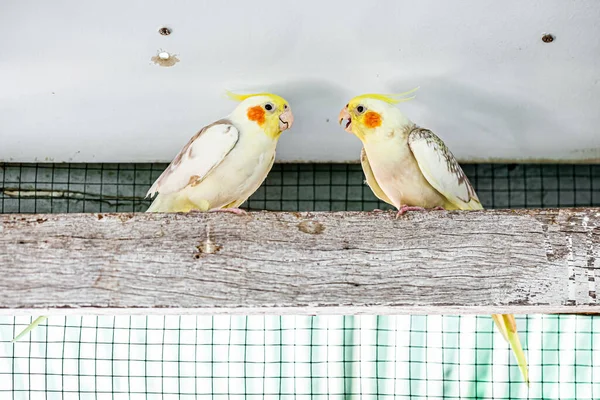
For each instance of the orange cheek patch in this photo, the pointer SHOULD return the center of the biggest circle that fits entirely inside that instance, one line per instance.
(257, 114)
(372, 119)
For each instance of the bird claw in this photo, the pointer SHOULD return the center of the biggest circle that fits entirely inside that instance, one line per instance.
(404, 209)
(236, 211)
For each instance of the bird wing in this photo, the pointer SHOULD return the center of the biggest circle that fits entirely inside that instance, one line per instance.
(202, 154)
(441, 169)
(371, 181)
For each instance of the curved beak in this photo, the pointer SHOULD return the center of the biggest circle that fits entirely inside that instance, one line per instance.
(286, 119)
(345, 115)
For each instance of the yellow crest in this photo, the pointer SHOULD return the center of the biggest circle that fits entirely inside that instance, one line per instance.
(389, 98)
(242, 97)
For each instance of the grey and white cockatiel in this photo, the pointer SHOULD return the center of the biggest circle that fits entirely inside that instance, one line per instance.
(223, 164)
(411, 168)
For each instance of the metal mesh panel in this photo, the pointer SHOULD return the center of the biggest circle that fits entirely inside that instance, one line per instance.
(44, 188)
(322, 357)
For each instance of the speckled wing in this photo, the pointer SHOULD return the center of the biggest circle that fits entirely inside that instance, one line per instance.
(203, 153)
(441, 169)
(371, 181)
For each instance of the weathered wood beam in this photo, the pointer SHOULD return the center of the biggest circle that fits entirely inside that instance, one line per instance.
(523, 261)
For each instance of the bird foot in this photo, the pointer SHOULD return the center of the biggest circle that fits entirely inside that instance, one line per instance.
(404, 209)
(236, 211)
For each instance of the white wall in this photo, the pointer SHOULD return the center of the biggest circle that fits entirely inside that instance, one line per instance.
(77, 83)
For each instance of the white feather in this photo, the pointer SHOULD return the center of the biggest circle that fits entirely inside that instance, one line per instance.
(205, 151)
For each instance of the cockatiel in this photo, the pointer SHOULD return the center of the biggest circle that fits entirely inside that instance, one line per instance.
(223, 164)
(411, 168)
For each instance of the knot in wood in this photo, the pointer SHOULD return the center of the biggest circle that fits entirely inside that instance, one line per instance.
(311, 227)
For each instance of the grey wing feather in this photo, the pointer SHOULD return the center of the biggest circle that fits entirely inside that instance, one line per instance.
(441, 169)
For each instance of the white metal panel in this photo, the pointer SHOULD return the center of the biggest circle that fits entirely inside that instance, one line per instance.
(77, 83)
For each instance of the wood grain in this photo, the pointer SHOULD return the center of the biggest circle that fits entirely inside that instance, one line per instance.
(523, 261)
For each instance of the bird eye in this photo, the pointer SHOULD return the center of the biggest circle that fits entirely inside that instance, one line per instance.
(269, 107)
(360, 109)
(285, 106)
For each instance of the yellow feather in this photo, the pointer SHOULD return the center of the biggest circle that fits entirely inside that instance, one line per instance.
(31, 326)
(242, 97)
(508, 327)
(389, 98)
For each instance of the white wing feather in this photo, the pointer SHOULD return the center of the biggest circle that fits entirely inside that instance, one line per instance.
(441, 169)
(370, 178)
(205, 151)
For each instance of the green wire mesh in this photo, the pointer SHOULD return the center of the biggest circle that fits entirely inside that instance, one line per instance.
(293, 357)
(59, 188)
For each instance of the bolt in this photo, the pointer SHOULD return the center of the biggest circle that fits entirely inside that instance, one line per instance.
(164, 31)
(207, 246)
(547, 38)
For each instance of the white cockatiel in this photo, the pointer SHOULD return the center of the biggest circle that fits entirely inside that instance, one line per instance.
(223, 164)
(411, 168)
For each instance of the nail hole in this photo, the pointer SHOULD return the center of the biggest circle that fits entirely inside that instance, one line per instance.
(548, 38)
(164, 31)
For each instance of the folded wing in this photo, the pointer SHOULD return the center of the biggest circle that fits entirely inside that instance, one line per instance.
(441, 169)
(202, 154)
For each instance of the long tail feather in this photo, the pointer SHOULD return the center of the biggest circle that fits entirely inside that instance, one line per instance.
(500, 324)
(25, 331)
(508, 327)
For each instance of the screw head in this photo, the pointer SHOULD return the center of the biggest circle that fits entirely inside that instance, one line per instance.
(548, 38)
(164, 31)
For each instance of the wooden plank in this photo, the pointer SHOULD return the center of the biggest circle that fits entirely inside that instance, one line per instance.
(517, 261)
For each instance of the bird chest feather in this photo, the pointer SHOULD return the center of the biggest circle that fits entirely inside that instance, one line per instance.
(399, 176)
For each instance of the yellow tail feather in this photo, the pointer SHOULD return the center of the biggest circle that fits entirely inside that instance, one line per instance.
(508, 327)
(25, 331)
